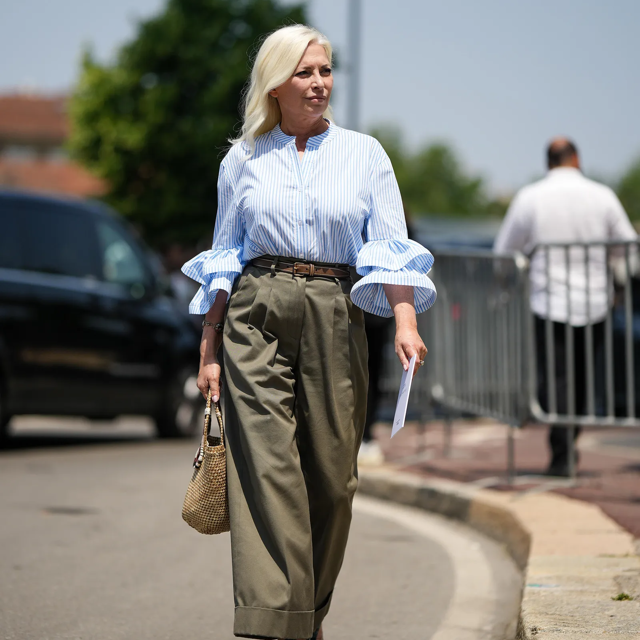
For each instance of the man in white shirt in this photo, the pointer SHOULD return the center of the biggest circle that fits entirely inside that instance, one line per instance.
(565, 207)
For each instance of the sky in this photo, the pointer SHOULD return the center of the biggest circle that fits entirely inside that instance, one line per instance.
(496, 79)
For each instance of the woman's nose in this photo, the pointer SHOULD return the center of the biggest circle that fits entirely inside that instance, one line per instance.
(318, 81)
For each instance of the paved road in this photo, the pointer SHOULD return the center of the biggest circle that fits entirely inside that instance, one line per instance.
(92, 547)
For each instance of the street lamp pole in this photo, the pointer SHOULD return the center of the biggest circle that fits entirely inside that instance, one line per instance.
(355, 23)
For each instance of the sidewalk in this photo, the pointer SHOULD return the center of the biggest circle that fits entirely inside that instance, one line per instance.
(583, 552)
(608, 474)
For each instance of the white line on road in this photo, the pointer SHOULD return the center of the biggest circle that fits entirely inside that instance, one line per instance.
(474, 611)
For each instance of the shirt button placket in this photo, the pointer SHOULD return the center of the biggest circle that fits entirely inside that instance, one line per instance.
(301, 221)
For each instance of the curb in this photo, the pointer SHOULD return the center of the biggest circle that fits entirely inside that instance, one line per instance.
(455, 501)
(458, 502)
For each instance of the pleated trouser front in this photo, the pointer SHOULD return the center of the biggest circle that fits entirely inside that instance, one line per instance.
(294, 396)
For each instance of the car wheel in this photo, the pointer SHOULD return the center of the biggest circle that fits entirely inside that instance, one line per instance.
(182, 408)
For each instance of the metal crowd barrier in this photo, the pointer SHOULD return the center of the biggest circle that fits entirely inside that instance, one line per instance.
(495, 351)
(605, 343)
(477, 332)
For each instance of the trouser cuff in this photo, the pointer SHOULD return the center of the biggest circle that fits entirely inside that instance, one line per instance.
(321, 613)
(253, 622)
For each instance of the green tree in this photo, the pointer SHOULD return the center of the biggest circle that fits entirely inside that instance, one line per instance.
(155, 123)
(432, 180)
(628, 191)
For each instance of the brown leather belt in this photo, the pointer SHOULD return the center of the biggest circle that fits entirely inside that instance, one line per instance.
(302, 268)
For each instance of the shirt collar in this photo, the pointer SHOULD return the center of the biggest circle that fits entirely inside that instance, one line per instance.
(564, 171)
(315, 141)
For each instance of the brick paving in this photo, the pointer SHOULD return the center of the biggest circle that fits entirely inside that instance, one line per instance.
(608, 474)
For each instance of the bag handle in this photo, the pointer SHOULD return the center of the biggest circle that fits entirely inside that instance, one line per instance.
(207, 420)
(219, 418)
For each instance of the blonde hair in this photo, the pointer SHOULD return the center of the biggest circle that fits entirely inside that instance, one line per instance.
(275, 63)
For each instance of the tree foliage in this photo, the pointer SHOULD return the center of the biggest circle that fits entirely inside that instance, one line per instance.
(433, 181)
(155, 123)
(628, 190)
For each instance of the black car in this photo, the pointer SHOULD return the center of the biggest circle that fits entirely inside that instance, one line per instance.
(87, 325)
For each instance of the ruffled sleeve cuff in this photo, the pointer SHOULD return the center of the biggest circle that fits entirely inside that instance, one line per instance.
(215, 269)
(402, 262)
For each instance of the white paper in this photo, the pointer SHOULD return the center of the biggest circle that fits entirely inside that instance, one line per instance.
(403, 397)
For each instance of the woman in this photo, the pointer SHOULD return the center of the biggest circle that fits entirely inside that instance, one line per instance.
(296, 197)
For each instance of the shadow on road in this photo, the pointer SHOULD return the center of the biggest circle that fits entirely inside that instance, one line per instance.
(35, 440)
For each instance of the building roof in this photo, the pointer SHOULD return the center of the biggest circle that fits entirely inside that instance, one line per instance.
(37, 121)
(53, 177)
(33, 119)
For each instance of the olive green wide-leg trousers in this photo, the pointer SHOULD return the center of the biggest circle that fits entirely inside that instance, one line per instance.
(295, 361)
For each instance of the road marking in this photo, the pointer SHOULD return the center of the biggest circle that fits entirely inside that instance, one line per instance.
(471, 612)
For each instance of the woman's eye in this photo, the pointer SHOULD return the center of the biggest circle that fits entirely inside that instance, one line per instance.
(326, 71)
(302, 73)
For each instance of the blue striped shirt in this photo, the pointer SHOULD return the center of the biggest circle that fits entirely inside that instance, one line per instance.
(340, 203)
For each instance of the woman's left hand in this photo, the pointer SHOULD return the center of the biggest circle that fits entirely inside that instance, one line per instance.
(408, 343)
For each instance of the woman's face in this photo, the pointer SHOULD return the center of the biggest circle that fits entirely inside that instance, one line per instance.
(307, 91)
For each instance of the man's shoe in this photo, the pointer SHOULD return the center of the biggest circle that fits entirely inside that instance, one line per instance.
(559, 467)
(558, 471)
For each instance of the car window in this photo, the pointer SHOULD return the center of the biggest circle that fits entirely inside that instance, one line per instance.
(121, 263)
(50, 237)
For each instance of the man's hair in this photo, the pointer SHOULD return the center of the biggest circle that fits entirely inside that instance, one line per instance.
(559, 152)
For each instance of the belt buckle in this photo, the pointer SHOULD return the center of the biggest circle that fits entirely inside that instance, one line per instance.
(302, 269)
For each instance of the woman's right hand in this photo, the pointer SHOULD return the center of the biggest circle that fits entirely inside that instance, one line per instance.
(209, 378)
(210, 370)
(209, 374)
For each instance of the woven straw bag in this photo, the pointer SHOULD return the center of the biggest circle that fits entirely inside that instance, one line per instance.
(206, 506)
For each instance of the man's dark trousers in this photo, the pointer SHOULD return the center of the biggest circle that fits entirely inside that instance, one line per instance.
(558, 435)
